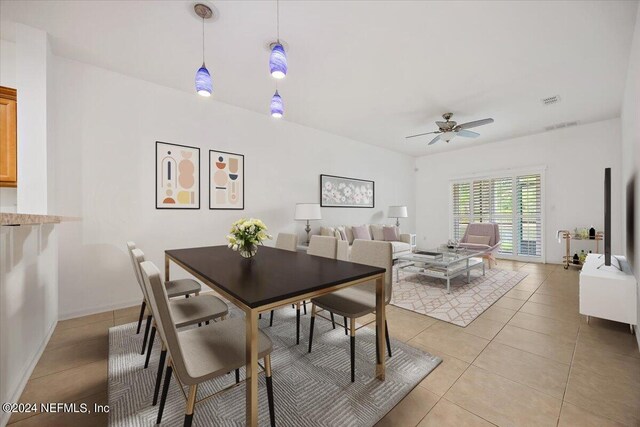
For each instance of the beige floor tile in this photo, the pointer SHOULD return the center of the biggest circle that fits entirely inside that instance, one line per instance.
(528, 285)
(615, 366)
(411, 409)
(450, 340)
(551, 311)
(124, 312)
(129, 319)
(555, 348)
(540, 373)
(597, 393)
(442, 378)
(61, 419)
(483, 328)
(498, 314)
(569, 303)
(66, 386)
(509, 303)
(573, 416)
(71, 356)
(545, 325)
(502, 401)
(405, 324)
(614, 341)
(519, 294)
(365, 320)
(85, 320)
(80, 334)
(447, 414)
(568, 291)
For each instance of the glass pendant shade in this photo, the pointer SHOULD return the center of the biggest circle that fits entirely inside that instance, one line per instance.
(204, 87)
(278, 62)
(277, 107)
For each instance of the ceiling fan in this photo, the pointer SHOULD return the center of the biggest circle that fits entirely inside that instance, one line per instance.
(449, 129)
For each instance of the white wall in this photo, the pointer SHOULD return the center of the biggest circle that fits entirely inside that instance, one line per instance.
(631, 142)
(28, 303)
(106, 125)
(575, 159)
(8, 195)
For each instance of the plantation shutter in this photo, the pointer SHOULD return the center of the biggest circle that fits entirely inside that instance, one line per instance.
(529, 215)
(502, 211)
(461, 209)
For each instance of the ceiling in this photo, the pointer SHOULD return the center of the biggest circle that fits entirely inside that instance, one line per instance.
(374, 71)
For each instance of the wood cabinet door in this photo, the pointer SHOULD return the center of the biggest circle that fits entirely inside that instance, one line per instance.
(8, 138)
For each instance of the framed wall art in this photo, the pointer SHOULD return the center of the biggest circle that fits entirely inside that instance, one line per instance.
(343, 192)
(226, 180)
(177, 176)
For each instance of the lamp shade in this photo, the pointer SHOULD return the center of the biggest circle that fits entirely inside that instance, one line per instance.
(397, 212)
(204, 87)
(278, 62)
(448, 136)
(307, 211)
(277, 106)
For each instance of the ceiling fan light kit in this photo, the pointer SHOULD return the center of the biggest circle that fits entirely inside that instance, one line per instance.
(449, 129)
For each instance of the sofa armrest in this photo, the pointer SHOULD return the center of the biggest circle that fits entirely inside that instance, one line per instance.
(343, 250)
(408, 238)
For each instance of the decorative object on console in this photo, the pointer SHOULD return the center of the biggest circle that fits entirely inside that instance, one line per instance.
(592, 233)
(307, 212)
(226, 180)
(204, 87)
(397, 212)
(342, 192)
(246, 235)
(574, 260)
(177, 176)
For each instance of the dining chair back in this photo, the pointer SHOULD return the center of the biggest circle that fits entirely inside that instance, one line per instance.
(324, 246)
(375, 253)
(287, 241)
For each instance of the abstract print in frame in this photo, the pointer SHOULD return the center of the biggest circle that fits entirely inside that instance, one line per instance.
(177, 176)
(226, 180)
(343, 192)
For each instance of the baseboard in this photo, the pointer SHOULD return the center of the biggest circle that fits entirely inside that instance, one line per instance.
(99, 309)
(15, 397)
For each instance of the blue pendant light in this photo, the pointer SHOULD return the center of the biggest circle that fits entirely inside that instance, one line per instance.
(277, 107)
(278, 61)
(204, 85)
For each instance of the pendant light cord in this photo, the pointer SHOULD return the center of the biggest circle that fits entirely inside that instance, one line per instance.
(278, 19)
(203, 40)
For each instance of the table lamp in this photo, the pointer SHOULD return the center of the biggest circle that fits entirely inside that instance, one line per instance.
(307, 212)
(397, 212)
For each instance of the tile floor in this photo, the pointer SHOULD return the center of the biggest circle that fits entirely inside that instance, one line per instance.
(530, 359)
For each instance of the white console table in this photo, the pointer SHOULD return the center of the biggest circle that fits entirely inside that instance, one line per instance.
(608, 292)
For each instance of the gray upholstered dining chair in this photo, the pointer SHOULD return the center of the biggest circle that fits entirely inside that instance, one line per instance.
(289, 242)
(359, 300)
(200, 354)
(327, 247)
(175, 288)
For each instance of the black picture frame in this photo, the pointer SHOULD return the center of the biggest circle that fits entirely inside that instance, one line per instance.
(210, 179)
(373, 197)
(156, 176)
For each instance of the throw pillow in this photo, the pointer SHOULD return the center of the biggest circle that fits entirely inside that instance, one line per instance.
(343, 232)
(337, 235)
(391, 234)
(349, 232)
(376, 232)
(478, 240)
(361, 232)
(327, 231)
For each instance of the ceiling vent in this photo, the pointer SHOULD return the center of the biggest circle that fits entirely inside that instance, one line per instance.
(560, 125)
(551, 100)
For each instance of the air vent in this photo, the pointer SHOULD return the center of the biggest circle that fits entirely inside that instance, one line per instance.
(551, 100)
(560, 125)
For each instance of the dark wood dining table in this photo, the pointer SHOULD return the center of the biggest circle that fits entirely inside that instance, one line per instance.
(271, 279)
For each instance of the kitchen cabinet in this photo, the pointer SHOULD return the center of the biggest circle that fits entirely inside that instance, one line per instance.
(8, 138)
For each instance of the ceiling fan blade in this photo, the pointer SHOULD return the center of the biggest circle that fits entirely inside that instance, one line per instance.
(421, 134)
(434, 140)
(467, 133)
(475, 124)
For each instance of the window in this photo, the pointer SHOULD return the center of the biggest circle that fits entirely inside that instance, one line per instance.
(514, 202)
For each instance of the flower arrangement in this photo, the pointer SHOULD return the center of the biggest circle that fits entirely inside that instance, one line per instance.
(246, 235)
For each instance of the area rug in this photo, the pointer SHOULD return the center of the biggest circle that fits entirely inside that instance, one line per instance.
(427, 295)
(309, 389)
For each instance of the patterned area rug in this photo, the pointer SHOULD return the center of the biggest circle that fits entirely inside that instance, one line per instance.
(309, 389)
(427, 295)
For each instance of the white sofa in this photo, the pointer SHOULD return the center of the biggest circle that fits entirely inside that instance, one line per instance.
(400, 247)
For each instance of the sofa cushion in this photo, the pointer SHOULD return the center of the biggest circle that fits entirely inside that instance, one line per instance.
(390, 234)
(376, 232)
(400, 247)
(479, 240)
(349, 232)
(361, 232)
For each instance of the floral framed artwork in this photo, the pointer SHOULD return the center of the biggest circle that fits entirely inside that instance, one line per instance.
(177, 176)
(343, 192)
(226, 180)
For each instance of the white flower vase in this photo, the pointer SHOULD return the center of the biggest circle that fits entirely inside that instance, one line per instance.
(248, 251)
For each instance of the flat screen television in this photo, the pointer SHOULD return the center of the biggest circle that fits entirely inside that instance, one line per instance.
(607, 216)
(631, 220)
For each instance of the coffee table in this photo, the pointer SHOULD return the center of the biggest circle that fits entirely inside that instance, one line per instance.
(443, 263)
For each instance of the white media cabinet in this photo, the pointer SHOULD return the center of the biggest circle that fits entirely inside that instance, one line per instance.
(608, 292)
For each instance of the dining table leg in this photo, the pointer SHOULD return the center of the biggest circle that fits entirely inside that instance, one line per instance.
(251, 338)
(380, 330)
(166, 268)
